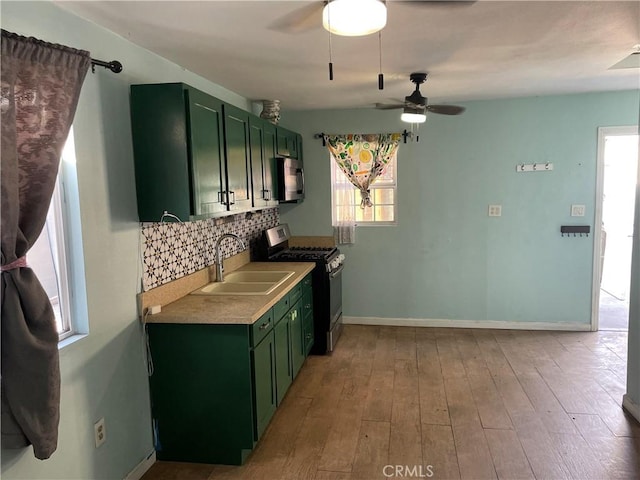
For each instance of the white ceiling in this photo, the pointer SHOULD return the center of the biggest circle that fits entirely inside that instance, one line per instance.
(484, 50)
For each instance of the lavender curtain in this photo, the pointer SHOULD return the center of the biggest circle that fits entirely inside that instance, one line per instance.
(39, 90)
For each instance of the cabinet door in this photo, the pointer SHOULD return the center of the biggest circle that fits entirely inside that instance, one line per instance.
(299, 146)
(287, 143)
(260, 194)
(264, 385)
(307, 315)
(284, 369)
(269, 165)
(236, 134)
(307, 331)
(159, 133)
(297, 341)
(206, 146)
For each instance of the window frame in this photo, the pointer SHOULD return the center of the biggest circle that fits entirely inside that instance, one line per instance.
(379, 184)
(58, 225)
(57, 216)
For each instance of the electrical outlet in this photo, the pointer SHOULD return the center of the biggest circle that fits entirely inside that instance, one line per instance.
(100, 432)
(577, 210)
(495, 210)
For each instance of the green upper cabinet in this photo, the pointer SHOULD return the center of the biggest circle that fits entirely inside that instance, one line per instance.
(269, 166)
(236, 136)
(206, 146)
(178, 151)
(196, 156)
(262, 138)
(299, 146)
(287, 143)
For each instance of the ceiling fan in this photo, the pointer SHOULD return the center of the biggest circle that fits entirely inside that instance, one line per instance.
(415, 105)
(314, 14)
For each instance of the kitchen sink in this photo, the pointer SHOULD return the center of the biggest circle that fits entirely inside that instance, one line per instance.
(245, 283)
(257, 276)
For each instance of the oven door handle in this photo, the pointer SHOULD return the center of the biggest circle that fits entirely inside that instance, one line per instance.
(337, 272)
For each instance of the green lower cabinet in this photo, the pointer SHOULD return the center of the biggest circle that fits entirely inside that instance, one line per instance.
(202, 391)
(284, 369)
(297, 341)
(263, 365)
(308, 333)
(215, 388)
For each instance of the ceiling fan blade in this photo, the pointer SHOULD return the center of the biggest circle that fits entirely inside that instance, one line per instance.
(389, 106)
(300, 20)
(445, 109)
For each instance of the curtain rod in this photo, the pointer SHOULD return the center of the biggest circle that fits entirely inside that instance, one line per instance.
(405, 134)
(114, 65)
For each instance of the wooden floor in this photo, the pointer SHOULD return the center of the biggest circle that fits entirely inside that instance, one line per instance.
(448, 403)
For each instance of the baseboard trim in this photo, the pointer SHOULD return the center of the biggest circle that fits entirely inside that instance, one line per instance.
(142, 467)
(631, 407)
(447, 323)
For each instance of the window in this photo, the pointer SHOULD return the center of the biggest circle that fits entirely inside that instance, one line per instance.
(345, 198)
(49, 257)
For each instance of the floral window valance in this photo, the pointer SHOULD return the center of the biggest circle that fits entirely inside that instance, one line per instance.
(363, 158)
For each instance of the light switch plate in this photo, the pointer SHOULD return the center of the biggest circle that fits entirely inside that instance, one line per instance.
(577, 210)
(495, 210)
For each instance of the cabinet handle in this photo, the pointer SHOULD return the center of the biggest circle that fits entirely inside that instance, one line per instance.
(266, 194)
(220, 196)
(264, 326)
(229, 202)
(308, 306)
(308, 336)
(300, 173)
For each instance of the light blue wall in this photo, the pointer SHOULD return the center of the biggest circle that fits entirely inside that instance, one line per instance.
(446, 259)
(103, 375)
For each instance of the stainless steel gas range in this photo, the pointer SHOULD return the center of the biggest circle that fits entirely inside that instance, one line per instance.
(327, 282)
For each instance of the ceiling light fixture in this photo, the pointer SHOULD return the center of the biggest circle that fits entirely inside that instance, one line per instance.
(630, 61)
(354, 18)
(413, 115)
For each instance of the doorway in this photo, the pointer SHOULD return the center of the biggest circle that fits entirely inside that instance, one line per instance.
(617, 173)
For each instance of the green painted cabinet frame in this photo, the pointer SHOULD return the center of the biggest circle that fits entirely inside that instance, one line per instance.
(262, 137)
(287, 143)
(237, 154)
(178, 151)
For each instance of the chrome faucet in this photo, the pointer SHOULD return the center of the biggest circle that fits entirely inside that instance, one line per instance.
(219, 269)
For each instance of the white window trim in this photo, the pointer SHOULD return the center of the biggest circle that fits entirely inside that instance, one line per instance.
(335, 169)
(58, 208)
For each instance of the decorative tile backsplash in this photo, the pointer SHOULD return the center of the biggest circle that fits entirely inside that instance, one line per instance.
(173, 250)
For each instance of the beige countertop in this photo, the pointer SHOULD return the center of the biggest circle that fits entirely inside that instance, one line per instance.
(231, 309)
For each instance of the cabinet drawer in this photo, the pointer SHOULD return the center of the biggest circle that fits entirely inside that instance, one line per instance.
(282, 307)
(261, 328)
(295, 293)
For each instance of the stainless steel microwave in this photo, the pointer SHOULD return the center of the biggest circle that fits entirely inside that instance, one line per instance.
(290, 179)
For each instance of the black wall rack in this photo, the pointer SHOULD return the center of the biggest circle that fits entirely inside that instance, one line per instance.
(575, 230)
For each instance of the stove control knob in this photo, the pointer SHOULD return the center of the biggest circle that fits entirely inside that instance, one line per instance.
(341, 258)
